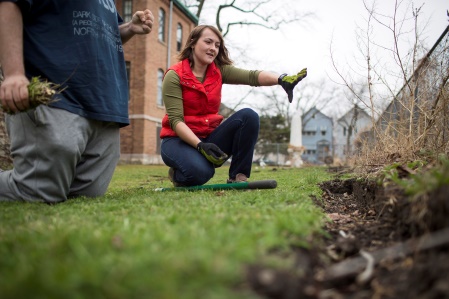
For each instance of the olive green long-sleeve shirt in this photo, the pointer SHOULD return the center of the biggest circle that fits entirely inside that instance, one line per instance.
(172, 92)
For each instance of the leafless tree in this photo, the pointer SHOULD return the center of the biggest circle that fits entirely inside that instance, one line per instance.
(269, 14)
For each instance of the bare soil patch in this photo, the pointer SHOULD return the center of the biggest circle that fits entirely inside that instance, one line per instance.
(380, 243)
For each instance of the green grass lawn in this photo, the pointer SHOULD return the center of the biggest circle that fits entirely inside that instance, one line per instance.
(137, 243)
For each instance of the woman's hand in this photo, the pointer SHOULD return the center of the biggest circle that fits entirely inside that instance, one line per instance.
(212, 153)
(289, 82)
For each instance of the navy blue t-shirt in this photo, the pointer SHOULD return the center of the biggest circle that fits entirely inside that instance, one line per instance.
(77, 43)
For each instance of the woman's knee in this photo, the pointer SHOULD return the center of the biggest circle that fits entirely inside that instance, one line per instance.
(252, 117)
(250, 113)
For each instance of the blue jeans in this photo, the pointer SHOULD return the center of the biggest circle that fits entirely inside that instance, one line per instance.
(236, 136)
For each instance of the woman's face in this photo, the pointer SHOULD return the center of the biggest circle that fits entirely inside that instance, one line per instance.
(206, 48)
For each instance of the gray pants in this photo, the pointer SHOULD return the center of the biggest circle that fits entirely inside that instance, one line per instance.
(58, 154)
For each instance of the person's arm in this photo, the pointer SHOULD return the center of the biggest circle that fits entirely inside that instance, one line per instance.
(14, 89)
(141, 23)
(233, 75)
(268, 78)
(186, 134)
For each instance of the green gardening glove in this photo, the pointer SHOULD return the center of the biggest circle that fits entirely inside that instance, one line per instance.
(212, 153)
(289, 82)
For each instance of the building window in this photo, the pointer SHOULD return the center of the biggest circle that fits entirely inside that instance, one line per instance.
(127, 10)
(310, 152)
(309, 133)
(161, 32)
(179, 38)
(323, 130)
(160, 76)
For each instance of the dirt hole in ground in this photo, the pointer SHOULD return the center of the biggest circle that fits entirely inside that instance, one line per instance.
(380, 243)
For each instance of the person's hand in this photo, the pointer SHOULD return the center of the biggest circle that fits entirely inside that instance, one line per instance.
(212, 153)
(289, 82)
(142, 22)
(14, 94)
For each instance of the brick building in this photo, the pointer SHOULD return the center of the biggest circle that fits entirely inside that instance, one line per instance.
(148, 57)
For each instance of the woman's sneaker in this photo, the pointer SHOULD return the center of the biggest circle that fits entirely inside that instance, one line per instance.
(171, 174)
(239, 178)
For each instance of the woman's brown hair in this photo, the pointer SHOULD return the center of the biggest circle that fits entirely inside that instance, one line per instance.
(222, 56)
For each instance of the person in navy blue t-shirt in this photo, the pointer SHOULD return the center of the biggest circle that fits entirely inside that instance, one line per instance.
(71, 147)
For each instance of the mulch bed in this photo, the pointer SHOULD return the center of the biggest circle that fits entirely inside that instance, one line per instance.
(379, 244)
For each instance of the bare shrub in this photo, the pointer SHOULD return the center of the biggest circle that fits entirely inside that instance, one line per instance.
(415, 123)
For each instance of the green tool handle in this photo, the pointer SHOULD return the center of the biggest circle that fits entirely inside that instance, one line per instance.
(264, 184)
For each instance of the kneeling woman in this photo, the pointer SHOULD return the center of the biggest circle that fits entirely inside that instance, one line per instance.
(194, 139)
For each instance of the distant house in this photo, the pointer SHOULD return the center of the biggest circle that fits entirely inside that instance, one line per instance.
(348, 129)
(317, 131)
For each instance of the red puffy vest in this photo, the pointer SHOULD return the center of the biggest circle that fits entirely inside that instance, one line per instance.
(201, 101)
